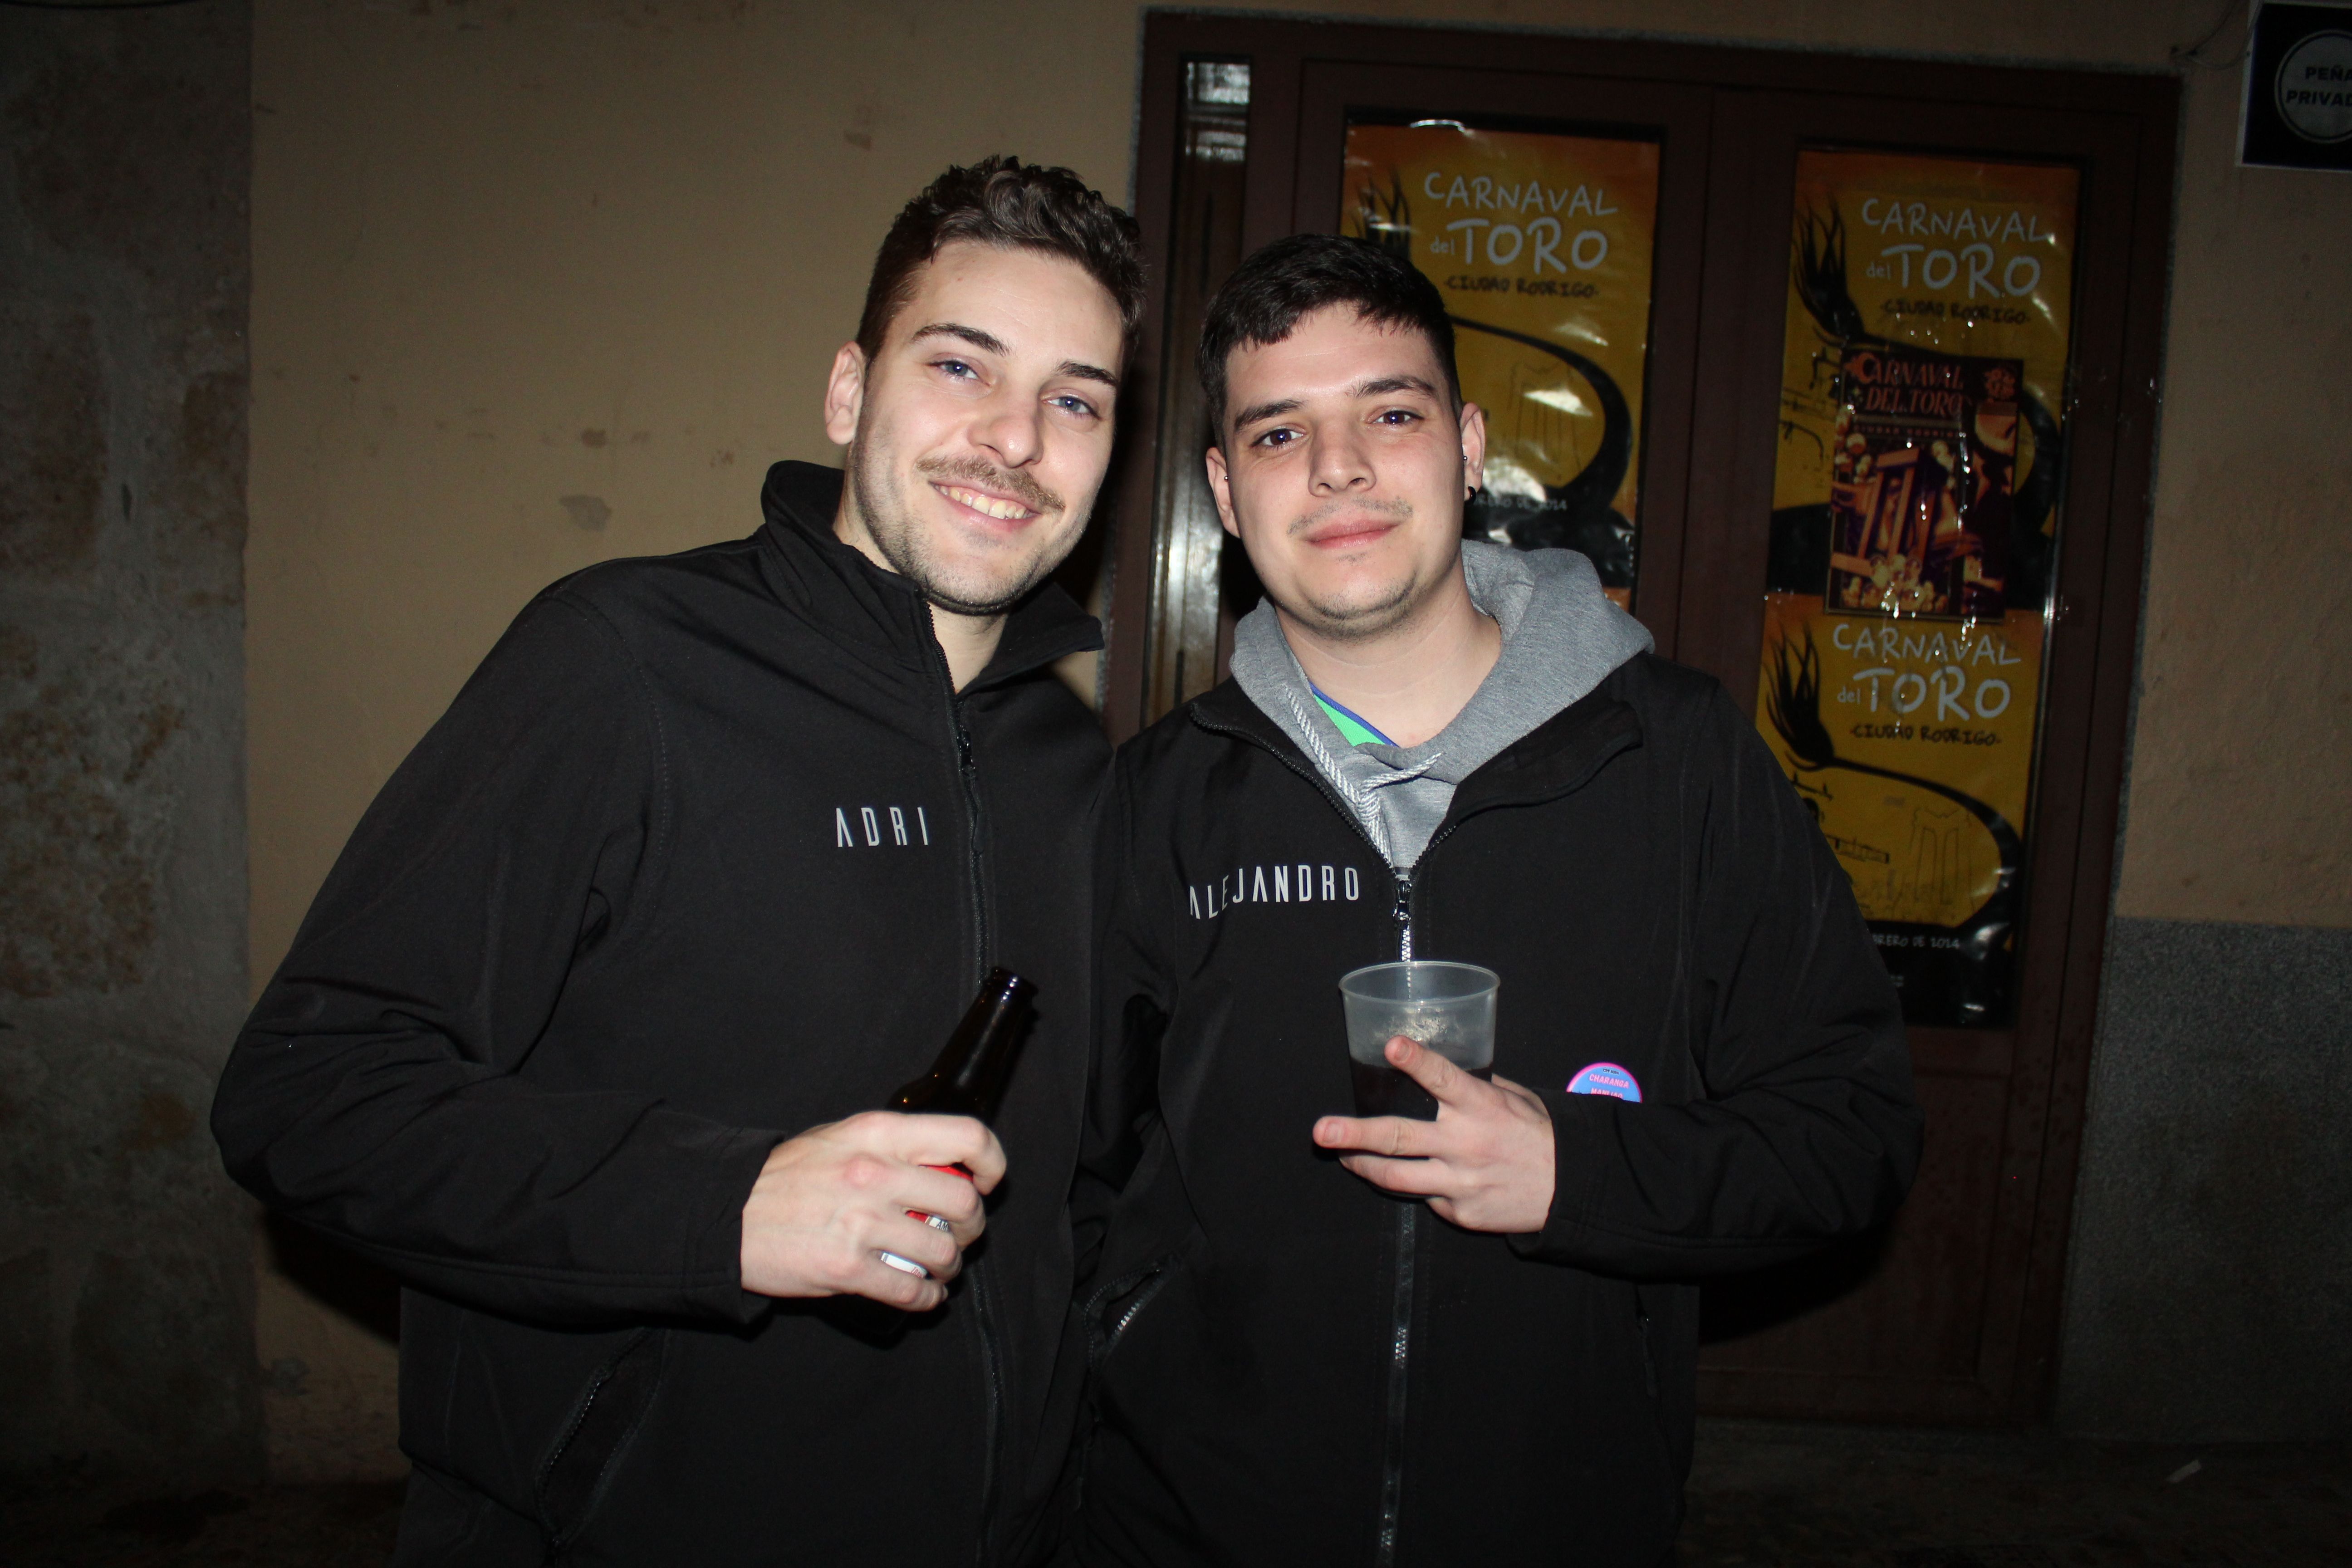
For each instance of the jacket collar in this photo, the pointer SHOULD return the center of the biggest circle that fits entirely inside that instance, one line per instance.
(881, 613)
(1553, 759)
(1558, 756)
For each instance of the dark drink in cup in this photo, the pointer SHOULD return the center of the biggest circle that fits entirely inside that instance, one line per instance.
(1383, 1091)
(1448, 1007)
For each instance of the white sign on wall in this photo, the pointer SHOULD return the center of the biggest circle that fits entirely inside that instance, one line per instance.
(2297, 109)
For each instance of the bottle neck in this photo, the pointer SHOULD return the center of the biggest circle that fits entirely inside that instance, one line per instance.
(968, 1077)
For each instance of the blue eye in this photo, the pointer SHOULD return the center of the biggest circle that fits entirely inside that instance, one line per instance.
(957, 368)
(1075, 404)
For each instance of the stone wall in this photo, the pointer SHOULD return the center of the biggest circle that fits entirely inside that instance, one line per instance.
(126, 1284)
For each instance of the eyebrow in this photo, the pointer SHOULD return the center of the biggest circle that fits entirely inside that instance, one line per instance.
(1084, 372)
(1388, 383)
(989, 343)
(1258, 411)
(986, 343)
(1379, 387)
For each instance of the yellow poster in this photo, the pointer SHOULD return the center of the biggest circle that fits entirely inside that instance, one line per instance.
(1542, 245)
(1915, 529)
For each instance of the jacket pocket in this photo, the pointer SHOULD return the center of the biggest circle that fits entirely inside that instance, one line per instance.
(1653, 1328)
(1649, 1355)
(1111, 1311)
(1108, 1313)
(578, 1470)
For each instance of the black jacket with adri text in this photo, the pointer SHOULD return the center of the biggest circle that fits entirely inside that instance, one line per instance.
(707, 851)
(1290, 1366)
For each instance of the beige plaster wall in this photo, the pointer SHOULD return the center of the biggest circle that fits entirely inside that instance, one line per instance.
(544, 282)
(2240, 807)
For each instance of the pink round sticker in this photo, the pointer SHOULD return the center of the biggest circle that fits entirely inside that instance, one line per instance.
(1605, 1077)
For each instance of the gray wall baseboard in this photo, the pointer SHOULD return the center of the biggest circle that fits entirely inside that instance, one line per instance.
(2209, 1277)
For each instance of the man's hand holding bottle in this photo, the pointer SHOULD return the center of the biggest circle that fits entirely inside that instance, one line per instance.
(829, 1203)
(883, 1205)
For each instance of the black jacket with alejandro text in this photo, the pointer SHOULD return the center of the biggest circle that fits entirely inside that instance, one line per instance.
(708, 850)
(1290, 1366)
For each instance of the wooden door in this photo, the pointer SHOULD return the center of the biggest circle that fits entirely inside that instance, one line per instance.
(1951, 1314)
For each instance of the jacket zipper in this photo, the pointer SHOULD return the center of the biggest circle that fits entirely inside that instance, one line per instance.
(1406, 1234)
(991, 1357)
(1404, 1240)
(1408, 1269)
(968, 777)
(1405, 1237)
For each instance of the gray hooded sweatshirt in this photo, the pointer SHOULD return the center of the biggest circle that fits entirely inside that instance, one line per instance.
(1562, 636)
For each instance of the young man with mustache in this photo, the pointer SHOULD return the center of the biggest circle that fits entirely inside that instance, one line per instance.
(1321, 1338)
(583, 1035)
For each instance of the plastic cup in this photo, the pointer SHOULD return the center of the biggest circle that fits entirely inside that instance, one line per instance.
(1448, 1007)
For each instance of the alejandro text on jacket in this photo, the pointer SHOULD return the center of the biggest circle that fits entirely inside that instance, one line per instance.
(1291, 884)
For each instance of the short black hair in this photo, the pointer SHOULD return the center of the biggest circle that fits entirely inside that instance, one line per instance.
(1267, 294)
(1003, 201)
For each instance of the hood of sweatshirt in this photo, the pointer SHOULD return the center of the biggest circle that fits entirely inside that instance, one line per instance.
(1562, 636)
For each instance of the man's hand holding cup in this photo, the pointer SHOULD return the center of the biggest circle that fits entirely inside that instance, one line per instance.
(1485, 1163)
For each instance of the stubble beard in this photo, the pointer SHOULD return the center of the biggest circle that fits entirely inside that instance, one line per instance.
(891, 523)
(1358, 620)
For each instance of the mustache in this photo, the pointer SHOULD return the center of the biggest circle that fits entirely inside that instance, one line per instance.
(983, 475)
(1400, 511)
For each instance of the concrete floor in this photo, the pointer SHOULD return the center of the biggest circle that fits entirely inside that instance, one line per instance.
(1773, 1494)
(69, 1523)
(1761, 1494)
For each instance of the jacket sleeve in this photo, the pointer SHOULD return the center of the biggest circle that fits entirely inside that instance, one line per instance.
(1807, 1129)
(1131, 1016)
(377, 1093)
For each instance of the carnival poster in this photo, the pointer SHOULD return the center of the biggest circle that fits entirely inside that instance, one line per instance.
(1915, 532)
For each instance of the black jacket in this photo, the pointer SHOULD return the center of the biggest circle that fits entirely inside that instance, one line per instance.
(1290, 1366)
(707, 851)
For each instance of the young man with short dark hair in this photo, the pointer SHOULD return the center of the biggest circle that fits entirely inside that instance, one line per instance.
(584, 1035)
(1321, 1338)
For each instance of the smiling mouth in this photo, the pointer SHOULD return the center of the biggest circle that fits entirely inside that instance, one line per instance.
(998, 507)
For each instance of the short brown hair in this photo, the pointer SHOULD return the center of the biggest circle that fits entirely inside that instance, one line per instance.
(1003, 201)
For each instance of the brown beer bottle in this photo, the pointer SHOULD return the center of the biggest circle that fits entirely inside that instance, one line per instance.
(969, 1078)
